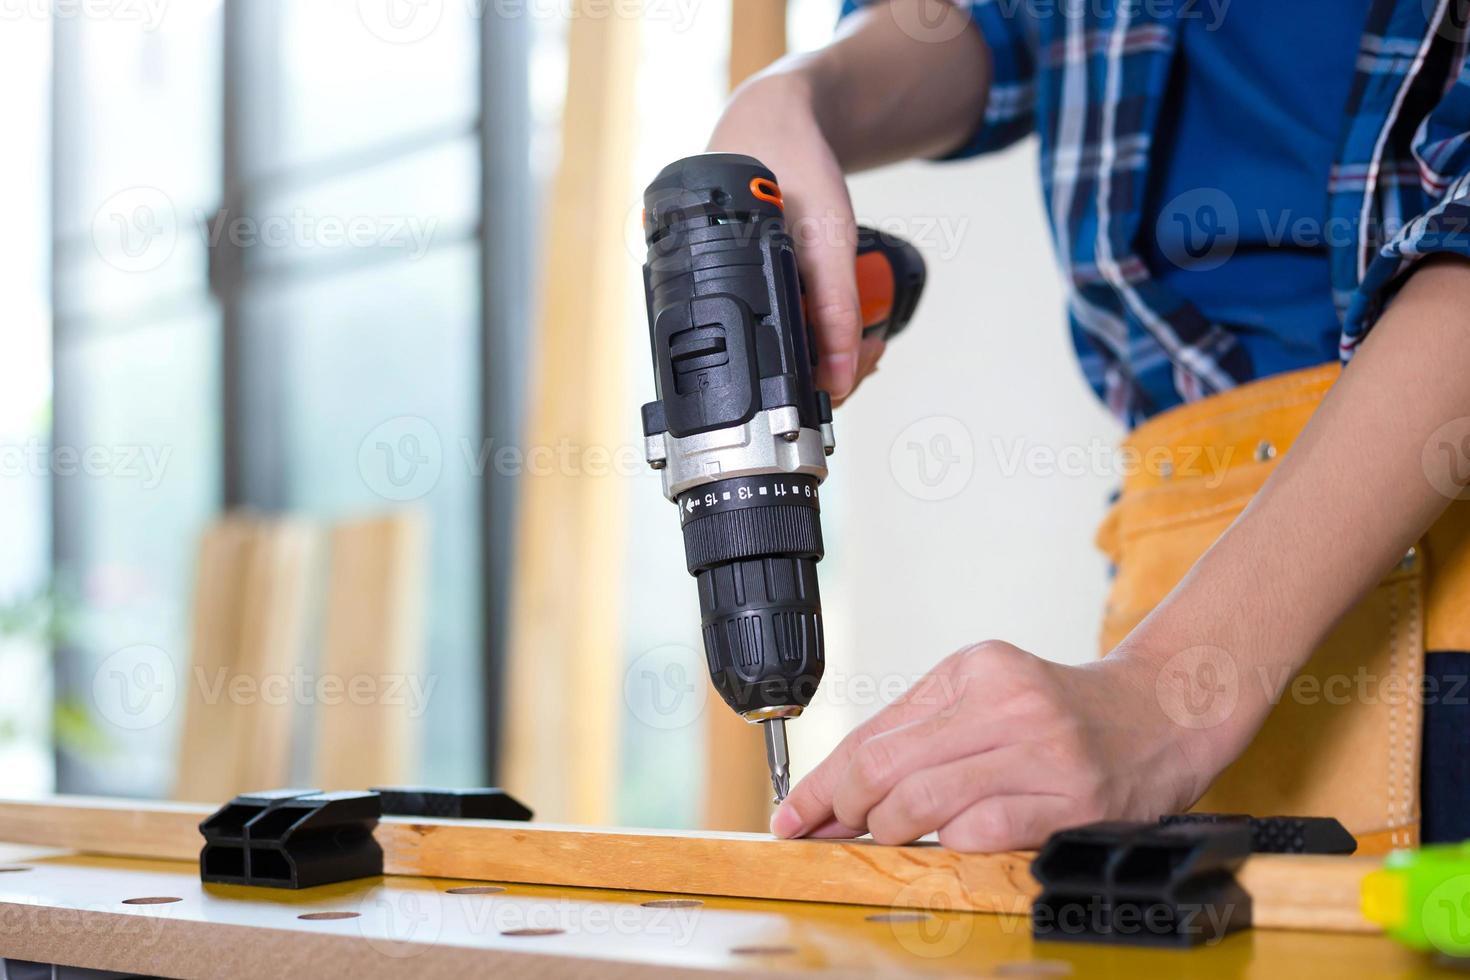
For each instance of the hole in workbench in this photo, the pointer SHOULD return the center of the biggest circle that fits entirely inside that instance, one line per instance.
(525, 933)
(152, 900)
(327, 916)
(477, 890)
(763, 950)
(673, 903)
(899, 917)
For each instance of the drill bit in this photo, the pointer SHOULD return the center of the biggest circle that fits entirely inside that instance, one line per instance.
(776, 757)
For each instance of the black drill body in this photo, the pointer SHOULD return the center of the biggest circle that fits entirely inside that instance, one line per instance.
(740, 430)
(731, 350)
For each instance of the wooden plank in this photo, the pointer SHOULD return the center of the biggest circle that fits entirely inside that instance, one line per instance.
(272, 633)
(1288, 891)
(367, 733)
(737, 794)
(757, 36)
(251, 585)
(207, 745)
(560, 735)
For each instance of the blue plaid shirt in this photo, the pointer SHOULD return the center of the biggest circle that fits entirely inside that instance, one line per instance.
(1089, 77)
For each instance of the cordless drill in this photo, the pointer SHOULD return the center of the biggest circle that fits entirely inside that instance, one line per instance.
(740, 431)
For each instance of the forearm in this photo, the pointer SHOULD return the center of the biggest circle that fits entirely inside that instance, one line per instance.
(1342, 507)
(884, 90)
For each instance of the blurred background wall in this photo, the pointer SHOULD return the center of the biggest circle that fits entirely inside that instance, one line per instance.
(303, 259)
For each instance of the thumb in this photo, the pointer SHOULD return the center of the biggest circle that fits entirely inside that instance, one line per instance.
(826, 250)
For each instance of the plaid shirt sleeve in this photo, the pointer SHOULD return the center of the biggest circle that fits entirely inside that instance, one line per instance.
(1428, 213)
(1010, 110)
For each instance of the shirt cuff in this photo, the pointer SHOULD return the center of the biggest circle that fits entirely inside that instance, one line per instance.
(1010, 110)
(1442, 230)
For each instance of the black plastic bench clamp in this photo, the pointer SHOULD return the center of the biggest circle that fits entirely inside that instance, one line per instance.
(292, 838)
(1170, 883)
(453, 804)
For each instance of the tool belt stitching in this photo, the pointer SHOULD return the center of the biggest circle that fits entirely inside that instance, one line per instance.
(1168, 438)
(1391, 817)
(1283, 388)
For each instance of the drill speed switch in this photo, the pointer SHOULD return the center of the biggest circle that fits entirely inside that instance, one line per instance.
(739, 429)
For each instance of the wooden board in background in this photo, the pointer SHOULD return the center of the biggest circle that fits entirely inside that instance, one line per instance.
(563, 676)
(251, 583)
(374, 649)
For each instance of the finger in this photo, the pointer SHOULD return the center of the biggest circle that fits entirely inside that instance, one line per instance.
(826, 252)
(870, 350)
(810, 803)
(926, 800)
(833, 830)
(880, 763)
(1009, 823)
